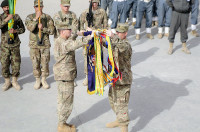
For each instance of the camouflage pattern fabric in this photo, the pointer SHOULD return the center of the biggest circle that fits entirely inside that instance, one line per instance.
(64, 53)
(65, 99)
(119, 99)
(18, 26)
(10, 55)
(40, 61)
(48, 29)
(70, 18)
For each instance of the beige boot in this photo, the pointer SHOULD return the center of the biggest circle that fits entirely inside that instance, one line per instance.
(133, 23)
(149, 36)
(160, 35)
(63, 127)
(85, 82)
(137, 37)
(37, 83)
(45, 85)
(112, 124)
(194, 33)
(170, 51)
(185, 49)
(156, 23)
(75, 84)
(124, 128)
(166, 34)
(7, 84)
(15, 84)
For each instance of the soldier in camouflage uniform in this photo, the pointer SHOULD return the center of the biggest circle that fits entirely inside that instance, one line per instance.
(10, 51)
(66, 17)
(99, 22)
(119, 94)
(64, 73)
(40, 48)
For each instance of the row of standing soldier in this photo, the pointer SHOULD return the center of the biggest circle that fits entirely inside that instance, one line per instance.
(65, 70)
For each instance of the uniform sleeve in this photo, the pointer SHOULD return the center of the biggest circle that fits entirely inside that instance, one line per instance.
(21, 29)
(56, 51)
(2, 22)
(50, 27)
(30, 24)
(105, 20)
(82, 21)
(123, 47)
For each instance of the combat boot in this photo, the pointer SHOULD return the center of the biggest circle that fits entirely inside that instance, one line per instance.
(149, 36)
(185, 49)
(160, 35)
(133, 23)
(166, 34)
(45, 85)
(124, 128)
(15, 84)
(137, 37)
(75, 84)
(170, 51)
(85, 82)
(37, 83)
(112, 124)
(7, 84)
(194, 33)
(63, 127)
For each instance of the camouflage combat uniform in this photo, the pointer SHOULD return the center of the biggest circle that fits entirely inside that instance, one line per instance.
(99, 22)
(69, 18)
(119, 94)
(65, 73)
(10, 53)
(40, 54)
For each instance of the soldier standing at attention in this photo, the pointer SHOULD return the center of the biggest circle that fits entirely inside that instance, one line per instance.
(94, 18)
(64, 73)
(10, 50)
(40, 47)
(66, 17)
(180, 18)
(120, 93)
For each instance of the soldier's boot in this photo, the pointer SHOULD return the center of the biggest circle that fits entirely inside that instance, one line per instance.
(170, 51)
(7, 84)
(63, 127)
(45, 85)
(185, 49)
(15, 84)
(124, 128)
(160, 35)
(112, 124)
(85, 82)
(137, 37)
(166, 34)
(156, 23)
(133, 23)
(194, 33)
(37, 83)
(150, 36)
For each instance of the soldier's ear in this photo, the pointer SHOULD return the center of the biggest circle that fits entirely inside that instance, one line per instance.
(126, 33)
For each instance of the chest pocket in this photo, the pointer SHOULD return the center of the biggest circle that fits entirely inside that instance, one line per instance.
(68, 19)
(97, 20)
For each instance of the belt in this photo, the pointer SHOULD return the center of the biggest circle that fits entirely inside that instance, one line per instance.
(120, 0)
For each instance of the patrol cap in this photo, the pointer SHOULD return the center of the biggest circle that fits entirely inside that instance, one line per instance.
(4, 3)
(122, 27)
(64, 27)
(97, 1)
(36, 3)
(65, 2)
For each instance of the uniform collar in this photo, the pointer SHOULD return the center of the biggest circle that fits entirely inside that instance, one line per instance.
(65, 15)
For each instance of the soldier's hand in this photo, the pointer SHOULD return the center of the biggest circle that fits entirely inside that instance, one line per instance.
(10, 16)
(12, 30)
(40, 26)
(109, 33)
(89, 29)
(38, 14)
(79, 33)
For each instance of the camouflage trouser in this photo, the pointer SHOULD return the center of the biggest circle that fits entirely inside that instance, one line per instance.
(119, 99)
(10, 56)
(40, 61)
(65, 100)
